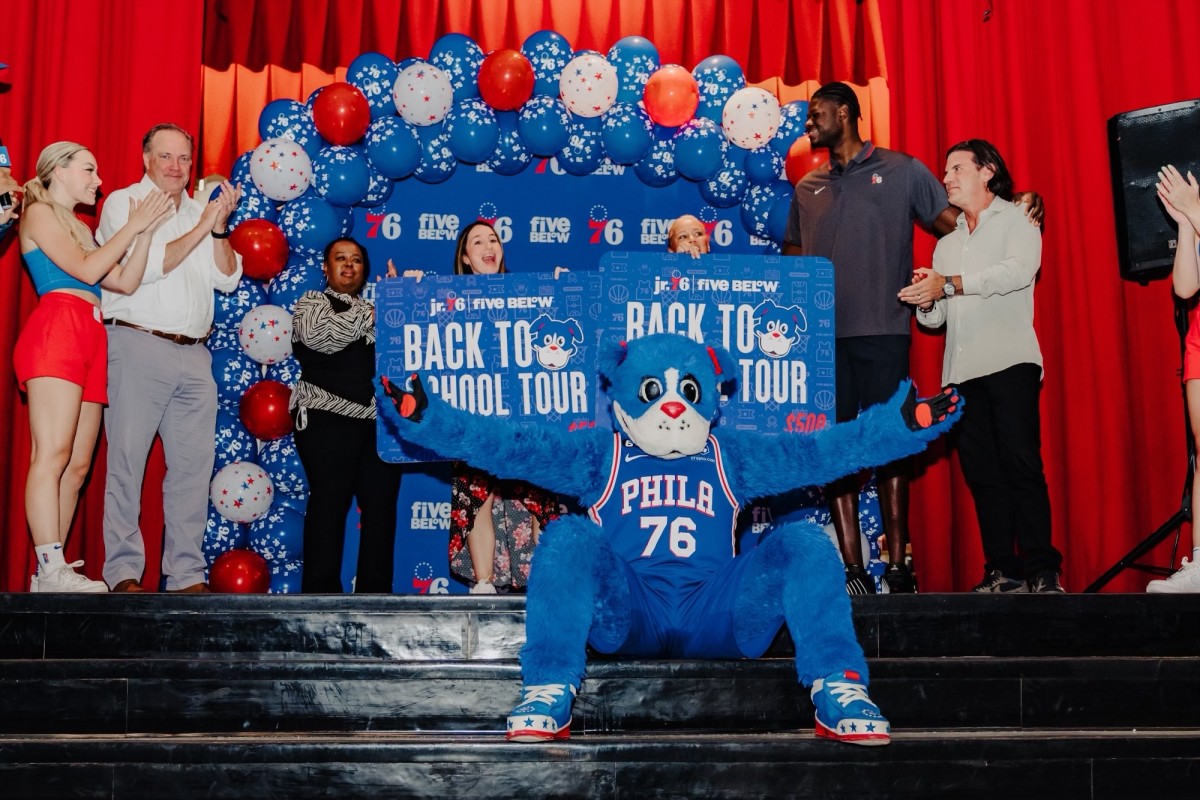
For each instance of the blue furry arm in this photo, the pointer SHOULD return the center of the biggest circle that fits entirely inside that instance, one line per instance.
(575, 464)
(760, 465)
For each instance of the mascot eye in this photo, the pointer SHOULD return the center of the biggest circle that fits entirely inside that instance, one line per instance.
(650, 390)
(772, 327)
(689, 387)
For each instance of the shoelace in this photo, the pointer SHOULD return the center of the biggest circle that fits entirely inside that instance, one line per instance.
(847, 693)
(549, 693)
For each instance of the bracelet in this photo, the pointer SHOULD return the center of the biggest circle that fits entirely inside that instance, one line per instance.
(224, 235)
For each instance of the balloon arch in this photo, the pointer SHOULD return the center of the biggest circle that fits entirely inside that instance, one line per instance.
(352, 141)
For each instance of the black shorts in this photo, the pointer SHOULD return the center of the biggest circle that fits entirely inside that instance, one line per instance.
(869, 371)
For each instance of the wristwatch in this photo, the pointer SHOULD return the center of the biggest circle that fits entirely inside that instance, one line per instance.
(948, 287)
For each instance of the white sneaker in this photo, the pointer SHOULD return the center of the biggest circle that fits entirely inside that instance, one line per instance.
(65, 579)
(1186, 580)
(483, 587)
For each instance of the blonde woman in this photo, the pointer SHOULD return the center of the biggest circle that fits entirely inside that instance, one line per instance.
(61, 357)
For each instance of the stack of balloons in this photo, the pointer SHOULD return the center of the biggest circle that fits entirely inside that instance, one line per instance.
(353, 142)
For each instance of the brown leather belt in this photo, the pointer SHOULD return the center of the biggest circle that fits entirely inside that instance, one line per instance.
(177, 338)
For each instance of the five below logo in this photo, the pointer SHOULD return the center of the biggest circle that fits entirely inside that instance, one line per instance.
(611, 230)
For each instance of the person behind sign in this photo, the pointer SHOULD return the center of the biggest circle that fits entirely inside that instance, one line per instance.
(61, 357)
(687, 234)
(333, 338)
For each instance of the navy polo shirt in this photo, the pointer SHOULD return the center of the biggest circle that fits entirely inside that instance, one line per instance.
(861, 218)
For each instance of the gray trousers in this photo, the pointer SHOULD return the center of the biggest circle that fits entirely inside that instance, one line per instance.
(156, 386)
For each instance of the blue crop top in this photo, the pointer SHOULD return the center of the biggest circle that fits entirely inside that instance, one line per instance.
(48, 276)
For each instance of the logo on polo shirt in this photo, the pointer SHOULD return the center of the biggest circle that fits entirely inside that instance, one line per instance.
(876, 178)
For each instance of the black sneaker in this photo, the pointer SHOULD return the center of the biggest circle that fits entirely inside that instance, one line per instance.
(995, 581)
(1046, 583)
(900, 579)
(858, 581)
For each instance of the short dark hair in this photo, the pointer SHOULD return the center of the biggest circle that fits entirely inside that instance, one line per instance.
(366, 258)
(985, 154)
(167, 126)
(840, 94)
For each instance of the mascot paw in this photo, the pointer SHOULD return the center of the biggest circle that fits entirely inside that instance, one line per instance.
(920, 414)
(410, 401)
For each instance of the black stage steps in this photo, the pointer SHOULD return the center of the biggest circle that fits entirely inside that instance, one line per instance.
(301, 696)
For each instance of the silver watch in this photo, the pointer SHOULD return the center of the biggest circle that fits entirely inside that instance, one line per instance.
(948, 287)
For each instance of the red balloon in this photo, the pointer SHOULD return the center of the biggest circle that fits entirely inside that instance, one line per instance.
(264, 410)
(802, 159)
(506, 80)
(671, 96)
(239, 572)
(262, 246)
(341, 113)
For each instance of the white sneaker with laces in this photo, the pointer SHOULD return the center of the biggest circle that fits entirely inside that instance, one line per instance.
(1186, 580)
(66, 579)
(483, 587)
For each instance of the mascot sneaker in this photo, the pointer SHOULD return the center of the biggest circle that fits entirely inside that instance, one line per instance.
(845, 712)
(544, 713)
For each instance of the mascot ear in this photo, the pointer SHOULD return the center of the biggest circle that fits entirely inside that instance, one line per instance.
(576, 331)
(539, 323)
(723, 368)
(610, 359)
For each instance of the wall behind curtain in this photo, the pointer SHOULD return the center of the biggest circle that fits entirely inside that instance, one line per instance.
(100, 74)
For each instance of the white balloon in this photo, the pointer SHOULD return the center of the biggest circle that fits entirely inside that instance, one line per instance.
(241, 492)
(751, 117)
(280, 169)
(588, 85)
(265, 334)
(423, 94)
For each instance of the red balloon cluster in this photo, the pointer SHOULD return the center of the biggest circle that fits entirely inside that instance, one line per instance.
(264, 410)
(506, 80)
(262, 246)
(240, 572)
(671, 96)
(802, 159)
(341, 113)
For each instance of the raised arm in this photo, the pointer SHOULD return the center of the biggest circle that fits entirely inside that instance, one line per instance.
(1181, 198)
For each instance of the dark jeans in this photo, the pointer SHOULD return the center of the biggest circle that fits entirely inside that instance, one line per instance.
(1000, 448)
(341, 463)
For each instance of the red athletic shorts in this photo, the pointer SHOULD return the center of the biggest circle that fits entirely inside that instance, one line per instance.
(65, 338)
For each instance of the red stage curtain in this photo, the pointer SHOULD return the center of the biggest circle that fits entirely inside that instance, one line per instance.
(100, 74)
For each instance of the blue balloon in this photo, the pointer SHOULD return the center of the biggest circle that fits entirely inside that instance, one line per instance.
(472, 130)
(734, 156)
(281, 462)
(584, 151)
(393, 147)
(374, 74)
(223, 339)
(309, 223)
(543, 123)
(302, 274)
(459, 56)
(657, 168)
(548, 52)
(253, 205)
(221, 535)
(725, 189)
(718, 78)
(757, 204)
(286, 371)
(234, 372)
(777, 217)
(635, 59)
(312, 97)
(699, 149)
(437, 159)
(278, 536)
(341, 175)
(792, 118)
(233, 441)
(286, 577)
(345, 216)
(627, 132)
(230, 307)
(378, 191)
(511, 155)
(763, 165)
(277, 113)
(296, 125)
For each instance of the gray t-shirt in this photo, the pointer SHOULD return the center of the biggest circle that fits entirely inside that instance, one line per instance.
(861, 218)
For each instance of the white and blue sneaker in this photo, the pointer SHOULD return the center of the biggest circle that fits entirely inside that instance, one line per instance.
(845, 712)
(543, 713)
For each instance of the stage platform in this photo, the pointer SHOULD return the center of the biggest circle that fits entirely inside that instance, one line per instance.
(223, 696)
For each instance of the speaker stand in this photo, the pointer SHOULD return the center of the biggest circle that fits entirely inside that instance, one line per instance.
(1184, 514)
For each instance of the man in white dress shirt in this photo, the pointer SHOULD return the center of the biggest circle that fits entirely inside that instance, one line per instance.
(159, 371)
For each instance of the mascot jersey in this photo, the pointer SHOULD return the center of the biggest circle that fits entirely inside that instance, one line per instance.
(671, 520)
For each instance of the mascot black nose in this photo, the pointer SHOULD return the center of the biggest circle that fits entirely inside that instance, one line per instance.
(673, 409)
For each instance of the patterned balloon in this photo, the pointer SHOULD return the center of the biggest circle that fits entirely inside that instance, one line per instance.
(291, 119)
(286, 372)
(718, 77)
(374, 74)
(393, 147)
(282, 463)
(253, 205)
(281, 169)
(699, 149)
(266, 334)
(286, 577)
(725, 189)
(423, 94)
(764, 165)
(543, 124)
(233, 441)
(278, 536)
(657, 168)
(548, 52)
(459, 57)
(241, 492)
(511, 155)
(635, 59)
(437, 159)
(627, 133)
(302, 273)
(792, 118)
(341, 175)
(230, 307)
(234, 373)
(588, 86)
(584, 151)
(757, 205)
(472, 131)
(379, 190)
(309, 223)
(751, 117)
(221, 535)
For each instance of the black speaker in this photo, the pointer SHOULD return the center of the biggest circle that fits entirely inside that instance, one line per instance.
(1139, 143)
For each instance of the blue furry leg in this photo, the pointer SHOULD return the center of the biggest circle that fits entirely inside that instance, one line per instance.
(576, 588)
(795, 576)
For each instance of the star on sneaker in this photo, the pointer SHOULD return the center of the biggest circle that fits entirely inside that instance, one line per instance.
(845, 712)
(544, 713)
(1185, 581)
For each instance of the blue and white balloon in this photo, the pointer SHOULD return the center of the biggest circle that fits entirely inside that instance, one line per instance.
(341, 175)
(635, 59)
(657, 168)
(233, 441)
(543, 123)
(725, 189)
(584, 151)
(286, 372)
(393, 147)
(301, 274)
(511, 155)
(291, 119)
(234, 373)
(281, 461)
(374, 74)
(472, 131)
(286, 577)
(230, 307)
(627, 133)
(763, 165)
(717, 77)
(221, 536)
(309, 223)
(459, 57)
(792, 118)
(278, 535)
(699, 149)
(437, 159)
(548, 52)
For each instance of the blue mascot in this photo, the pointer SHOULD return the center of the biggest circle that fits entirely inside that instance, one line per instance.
(653, 572)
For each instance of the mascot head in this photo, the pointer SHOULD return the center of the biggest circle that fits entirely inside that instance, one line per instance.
(665, 390)
(555, 340)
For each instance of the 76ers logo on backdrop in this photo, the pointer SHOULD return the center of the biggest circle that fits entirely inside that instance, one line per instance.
(600, 225)
(491, 215)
